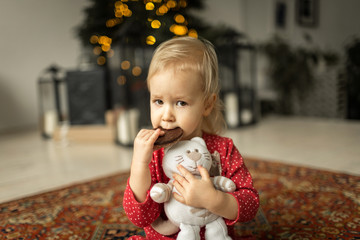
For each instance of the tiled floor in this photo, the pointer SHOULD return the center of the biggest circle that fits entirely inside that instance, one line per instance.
(30, 165)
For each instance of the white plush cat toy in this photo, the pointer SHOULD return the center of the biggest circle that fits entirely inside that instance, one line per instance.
(190, 154)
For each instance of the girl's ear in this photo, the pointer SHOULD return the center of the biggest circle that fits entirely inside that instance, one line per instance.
(209, 104)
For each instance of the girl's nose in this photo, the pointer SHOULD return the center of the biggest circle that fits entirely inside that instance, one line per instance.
(168, 114)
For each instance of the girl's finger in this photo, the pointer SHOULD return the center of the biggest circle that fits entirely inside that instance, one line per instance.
(179, 179)
(186, 174)
(179, 198)
(204, 173)
(154, 135)
(179, 187)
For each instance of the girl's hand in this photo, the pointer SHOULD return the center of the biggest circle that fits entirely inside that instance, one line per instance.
(140, 178)
(194, 192)
(143, 146)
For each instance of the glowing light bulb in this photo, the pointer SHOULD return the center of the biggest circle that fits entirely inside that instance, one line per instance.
(155, 24)
(127, 13)
(97, 50)
(101, 60)
(150, 40)
(118, 4)
(94, 39)
(179, 18)
(162, 10)
(125, 65)
(136, 71)
(180, 30)
(149, 6)
(110, 53)
(171, 28)
(121, 80)
(110, 23)
(183, 3)
(105, 48)
(193, 33)
(171, 4)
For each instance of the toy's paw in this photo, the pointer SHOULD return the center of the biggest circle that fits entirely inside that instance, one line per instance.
(230, 186)
(224, 184)
(160, 193)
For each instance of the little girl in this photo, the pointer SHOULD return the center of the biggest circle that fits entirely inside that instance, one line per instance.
(184, 92)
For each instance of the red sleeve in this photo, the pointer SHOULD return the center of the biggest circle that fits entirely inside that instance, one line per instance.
(141, 214)
(233, 167)
(145, 213)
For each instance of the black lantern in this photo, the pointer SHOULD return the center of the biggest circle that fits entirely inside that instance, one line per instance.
(52, 105)
(237, 68)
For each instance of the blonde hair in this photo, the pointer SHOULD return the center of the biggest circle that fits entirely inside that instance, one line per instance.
(187, 53)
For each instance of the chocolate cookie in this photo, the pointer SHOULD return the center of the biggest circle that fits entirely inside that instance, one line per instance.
(170, 137)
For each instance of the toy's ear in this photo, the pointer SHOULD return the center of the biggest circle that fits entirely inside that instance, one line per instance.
(199, 140)
(215, 169)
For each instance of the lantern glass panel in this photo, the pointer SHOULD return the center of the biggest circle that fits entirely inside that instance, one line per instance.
(48, 113)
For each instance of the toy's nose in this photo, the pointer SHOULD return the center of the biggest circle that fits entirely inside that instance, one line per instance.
(195, 155)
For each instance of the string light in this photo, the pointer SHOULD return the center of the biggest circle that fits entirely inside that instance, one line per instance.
(110, 53)
(101, 60)
(121, 80)
(162, 10)
(150, 40)
(121, 10)
(183, 3)
(193, 33)
(179, 18)
(128, 13)
(105, 48)
(136, 71)
(171, 4)
(155, 24)
(149, 6)
(179, 30)
(97, 50)
(125, 65)
(104, 40)
(112, 22)
(94, 39)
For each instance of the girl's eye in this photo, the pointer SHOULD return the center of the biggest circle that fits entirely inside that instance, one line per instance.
(181, 104)
(158, 102)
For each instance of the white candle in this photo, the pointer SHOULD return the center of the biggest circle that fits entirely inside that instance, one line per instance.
(49, 122)
(231, 109)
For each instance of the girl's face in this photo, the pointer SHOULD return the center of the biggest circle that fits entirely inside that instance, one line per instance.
(176, 100)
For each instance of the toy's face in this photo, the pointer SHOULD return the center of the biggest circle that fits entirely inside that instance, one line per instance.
(190, 154)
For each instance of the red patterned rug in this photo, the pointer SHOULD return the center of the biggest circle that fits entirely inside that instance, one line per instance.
(296, 203)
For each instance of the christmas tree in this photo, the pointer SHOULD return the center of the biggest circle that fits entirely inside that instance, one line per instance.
(108, 23)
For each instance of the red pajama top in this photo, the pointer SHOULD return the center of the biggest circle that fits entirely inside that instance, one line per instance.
(233, 167)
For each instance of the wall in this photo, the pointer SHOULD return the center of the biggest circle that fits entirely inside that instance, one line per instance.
(34, 34)
(338, 22)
